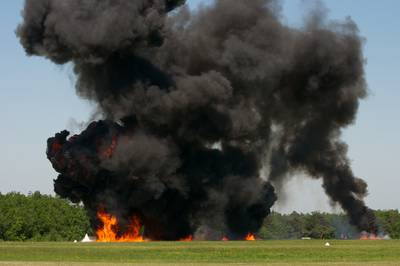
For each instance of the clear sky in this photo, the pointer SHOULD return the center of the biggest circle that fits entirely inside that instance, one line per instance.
(38, 99)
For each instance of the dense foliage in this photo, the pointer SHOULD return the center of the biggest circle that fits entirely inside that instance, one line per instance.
(38, 217)
(325, 226)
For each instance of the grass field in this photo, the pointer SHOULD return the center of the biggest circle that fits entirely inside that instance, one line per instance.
(277, 253)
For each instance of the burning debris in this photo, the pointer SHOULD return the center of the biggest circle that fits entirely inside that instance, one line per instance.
(203, 112)
(250, 237)
(108, 231)
(372, 236)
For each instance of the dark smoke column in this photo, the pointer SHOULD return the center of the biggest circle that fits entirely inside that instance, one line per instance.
(200, 110)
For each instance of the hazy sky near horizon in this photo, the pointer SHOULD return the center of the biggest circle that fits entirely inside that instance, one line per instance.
(37, 99)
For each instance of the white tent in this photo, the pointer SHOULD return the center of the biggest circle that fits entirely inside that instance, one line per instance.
(88, 239)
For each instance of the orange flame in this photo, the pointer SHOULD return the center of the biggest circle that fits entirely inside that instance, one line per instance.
(109, 229)
(187, 239)
(366, 236)
(250, 237)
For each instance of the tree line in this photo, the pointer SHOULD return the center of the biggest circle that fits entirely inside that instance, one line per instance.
(319, 225)
(38, 217)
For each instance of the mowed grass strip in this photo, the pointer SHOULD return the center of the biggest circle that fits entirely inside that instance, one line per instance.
(24, 263)
(206, 253)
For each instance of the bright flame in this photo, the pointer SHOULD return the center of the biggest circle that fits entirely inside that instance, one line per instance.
(187, 239)
(250, 237)
(108, 231)
(366, 236)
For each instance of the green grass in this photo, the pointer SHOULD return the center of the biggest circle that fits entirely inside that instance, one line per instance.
(204, 253)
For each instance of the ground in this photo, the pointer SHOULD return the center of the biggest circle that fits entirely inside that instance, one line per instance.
(277, 253)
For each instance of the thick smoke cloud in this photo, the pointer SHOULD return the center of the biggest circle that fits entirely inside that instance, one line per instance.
(203, 111)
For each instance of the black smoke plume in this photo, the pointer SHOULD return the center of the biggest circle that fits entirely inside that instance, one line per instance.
(203, 111)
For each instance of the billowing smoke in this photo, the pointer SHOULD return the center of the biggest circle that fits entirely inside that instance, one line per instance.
(203, 111)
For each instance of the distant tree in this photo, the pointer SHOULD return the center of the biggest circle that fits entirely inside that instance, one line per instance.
(389, 222)
(40, 218)
(298, 225)
(324, 225)
(275, 226)
(318, 226)
(278, 226)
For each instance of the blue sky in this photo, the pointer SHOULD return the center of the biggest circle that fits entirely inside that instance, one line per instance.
(38, 99)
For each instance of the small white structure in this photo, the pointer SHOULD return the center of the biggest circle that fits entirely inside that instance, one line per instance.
(327, 244)
(87, 239)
